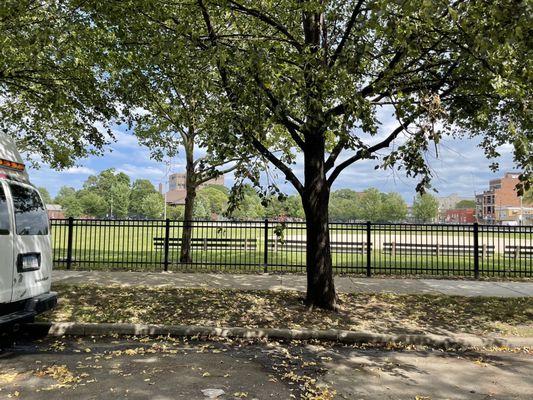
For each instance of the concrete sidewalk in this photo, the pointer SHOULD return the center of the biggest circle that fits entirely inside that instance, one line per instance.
(296, 282)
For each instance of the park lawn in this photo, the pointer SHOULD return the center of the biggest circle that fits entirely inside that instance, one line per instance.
(383, 313)
(343, 263)
(128, 245)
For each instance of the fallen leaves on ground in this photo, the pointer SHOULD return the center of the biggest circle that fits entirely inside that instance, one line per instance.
(60, 373)
(387, 313)
(8, 377)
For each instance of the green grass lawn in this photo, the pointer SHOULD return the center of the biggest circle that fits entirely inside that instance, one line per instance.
(283, 261)
(384, 313)
(130, 246)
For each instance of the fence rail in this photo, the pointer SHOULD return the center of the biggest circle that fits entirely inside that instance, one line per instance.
(271, 246)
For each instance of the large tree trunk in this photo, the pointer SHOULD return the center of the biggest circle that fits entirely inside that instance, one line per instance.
(190, 187)
(320, 285)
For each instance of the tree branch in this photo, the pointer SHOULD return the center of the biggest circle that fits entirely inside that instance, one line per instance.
(289, 175)
(268, 20)
(347, 33)
(212, 172)
(282, 116)
(330, 162)
(367, 152)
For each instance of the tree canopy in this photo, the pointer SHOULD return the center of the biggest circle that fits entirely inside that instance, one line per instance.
(54, 96)
(425, 208)
(293, 68)
(111, 194)
(463, 204)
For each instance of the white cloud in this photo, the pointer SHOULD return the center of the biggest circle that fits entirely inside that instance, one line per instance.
(142, 171)
(79, 170)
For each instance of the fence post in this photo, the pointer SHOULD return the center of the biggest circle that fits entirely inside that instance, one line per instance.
(69, 241)
(265, 251)
(476, 250)
(167, 241)
(368, 250)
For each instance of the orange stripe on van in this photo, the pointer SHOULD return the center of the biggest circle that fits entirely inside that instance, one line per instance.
(12, 164)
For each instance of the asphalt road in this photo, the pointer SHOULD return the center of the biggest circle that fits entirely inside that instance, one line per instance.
(119, 368)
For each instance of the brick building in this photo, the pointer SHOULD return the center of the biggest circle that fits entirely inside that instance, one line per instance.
(500, 195)
(55, 211)
(177, 187)
(462, 216)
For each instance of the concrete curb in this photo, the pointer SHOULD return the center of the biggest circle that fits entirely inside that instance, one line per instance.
(342, 336)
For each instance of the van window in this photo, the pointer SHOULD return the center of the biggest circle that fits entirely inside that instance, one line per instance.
(4, 213)
(30, 214)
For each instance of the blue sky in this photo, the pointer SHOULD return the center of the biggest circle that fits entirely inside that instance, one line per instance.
(461, 168)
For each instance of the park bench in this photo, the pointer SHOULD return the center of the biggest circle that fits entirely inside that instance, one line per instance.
(300, 245)
(435, 249)
(518, 251)
(210, 243)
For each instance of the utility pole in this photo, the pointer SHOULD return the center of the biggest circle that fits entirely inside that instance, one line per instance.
(521, 218)
(168, 166)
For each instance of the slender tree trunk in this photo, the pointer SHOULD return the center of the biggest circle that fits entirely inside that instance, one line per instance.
(190, 187)
(320, 284)
(186, 234)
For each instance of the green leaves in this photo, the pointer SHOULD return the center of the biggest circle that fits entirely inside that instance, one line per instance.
(54, 100)
(425, 208)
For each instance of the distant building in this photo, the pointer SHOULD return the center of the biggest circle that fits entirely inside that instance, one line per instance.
(460, 216)
(514, 215)
(177, 187)
(496, 205)
(449, 202)
(55, 211)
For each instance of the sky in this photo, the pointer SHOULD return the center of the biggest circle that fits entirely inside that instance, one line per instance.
(461, 168)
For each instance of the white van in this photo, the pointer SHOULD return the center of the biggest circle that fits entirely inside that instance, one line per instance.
(25, 246)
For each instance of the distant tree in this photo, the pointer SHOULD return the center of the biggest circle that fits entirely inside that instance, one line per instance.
(68, 200)
(463, 204)
(343, 205)
(92, 204)
(174, 213)
(201, 208)
(295, 208)
(64, 193)
(394, 207)
(221, 188)
(370, 205)
(425, 208)
(216, 198)
(152, 206)
(248, 204)
(140, 190)
(114, 188)
(276, 207)
(119, 200)
(72, 207)
(45, 194)
(284, 206)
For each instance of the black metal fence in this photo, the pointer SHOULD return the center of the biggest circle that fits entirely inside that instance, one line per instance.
(271, 246)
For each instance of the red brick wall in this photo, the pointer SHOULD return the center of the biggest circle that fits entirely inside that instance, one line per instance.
(464, 216)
